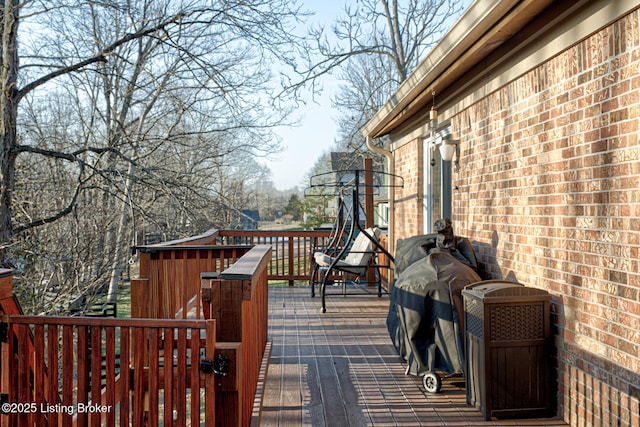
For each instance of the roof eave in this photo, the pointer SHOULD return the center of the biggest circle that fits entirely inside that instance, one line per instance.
(477, 24)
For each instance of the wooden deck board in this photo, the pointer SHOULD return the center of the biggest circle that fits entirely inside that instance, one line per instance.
(340, 369)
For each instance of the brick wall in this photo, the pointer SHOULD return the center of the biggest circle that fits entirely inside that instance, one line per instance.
(549, 193)
(408, 211)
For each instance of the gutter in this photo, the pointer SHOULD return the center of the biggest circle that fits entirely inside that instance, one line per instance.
(456, 51)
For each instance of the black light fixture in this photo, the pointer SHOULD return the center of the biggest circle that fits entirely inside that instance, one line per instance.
(433, 122)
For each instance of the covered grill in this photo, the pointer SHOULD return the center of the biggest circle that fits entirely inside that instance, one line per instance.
(426, 313)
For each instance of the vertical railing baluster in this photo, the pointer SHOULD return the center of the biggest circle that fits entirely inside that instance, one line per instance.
(96, 370)
(181, 378)
(138, 379)
(39, 380)
(52, 359)
(152, 377)
(125, 377)
(195, 377)
(68, 373)
(24, 389)
(110, 372)
(82, 343)
(168, 340)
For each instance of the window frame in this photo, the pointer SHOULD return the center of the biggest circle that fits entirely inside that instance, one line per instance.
(438, 190)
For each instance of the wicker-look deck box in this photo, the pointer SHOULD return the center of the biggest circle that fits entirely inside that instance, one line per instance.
(508, 343)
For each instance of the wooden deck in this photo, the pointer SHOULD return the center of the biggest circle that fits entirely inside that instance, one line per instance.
(340, 369)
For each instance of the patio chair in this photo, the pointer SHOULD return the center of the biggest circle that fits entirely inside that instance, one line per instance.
(360, 257)
(337, 241)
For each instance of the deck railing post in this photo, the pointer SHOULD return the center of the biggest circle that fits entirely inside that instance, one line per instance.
(140, 294)
(6, 283)
(237, 299)
(6, 295)
(210, 386)
(291, 258)
(140, 289)
(368, 193)
(206, 293)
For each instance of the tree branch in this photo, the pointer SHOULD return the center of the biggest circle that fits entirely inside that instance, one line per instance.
(64, 212)
(100, 56)
(73, 156)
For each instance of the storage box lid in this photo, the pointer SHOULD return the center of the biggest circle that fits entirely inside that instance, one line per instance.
(504, 290)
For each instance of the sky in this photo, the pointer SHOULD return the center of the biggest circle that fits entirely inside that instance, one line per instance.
(304, 144)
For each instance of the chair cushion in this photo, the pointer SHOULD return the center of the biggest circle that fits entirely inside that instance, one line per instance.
(324, 260)
(358, 256)
(363, 248)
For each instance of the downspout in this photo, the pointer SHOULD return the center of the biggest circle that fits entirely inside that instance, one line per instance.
(392, 168)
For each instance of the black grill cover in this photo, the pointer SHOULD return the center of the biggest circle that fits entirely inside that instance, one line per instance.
(426, 313)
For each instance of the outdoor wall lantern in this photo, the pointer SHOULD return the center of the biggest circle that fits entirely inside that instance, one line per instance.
(448, 147)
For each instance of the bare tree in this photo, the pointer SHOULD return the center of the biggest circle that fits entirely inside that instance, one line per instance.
(400, 31)
(121, 105)
(366, 87)
(373, 46)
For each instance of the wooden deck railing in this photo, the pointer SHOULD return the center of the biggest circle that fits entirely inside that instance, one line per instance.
(169, 278)
(292, 256)
(292, 251)
(79, 371)
(108, 371)
(291, 260)
(237, 300)
(227, 283)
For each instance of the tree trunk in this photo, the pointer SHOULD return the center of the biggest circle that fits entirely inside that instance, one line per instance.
(8, 121)
(120, 240)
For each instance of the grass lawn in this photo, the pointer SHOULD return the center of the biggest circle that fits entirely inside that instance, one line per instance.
(124, 295)
(124, 300)
(286, 283)
(123, 308)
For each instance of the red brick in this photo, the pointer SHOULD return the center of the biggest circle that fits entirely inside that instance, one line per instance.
(554, 171)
